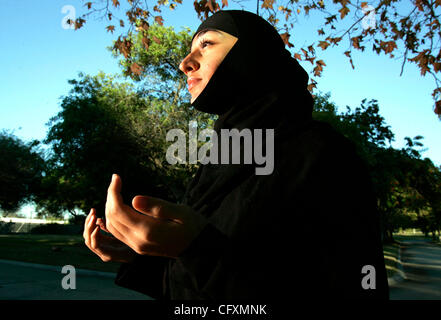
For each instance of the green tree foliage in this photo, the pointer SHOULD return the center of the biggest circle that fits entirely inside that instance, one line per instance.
(92, 138)
(22, 167)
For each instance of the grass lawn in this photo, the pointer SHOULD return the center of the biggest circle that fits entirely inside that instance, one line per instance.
(56, 250)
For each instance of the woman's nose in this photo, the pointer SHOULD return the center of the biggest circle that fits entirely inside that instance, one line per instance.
(188, 64)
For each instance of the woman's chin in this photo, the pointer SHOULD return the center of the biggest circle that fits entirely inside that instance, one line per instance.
(194, 97)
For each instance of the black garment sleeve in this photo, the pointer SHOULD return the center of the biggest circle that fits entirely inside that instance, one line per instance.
(144, 274)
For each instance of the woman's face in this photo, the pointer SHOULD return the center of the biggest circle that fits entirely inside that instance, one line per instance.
(208, 49)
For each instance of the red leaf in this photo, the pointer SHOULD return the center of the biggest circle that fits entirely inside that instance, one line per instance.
(159, 20)
(343, 12)
(136, 68)
(285, 37)
(438, 107)
(323, 44)
(110, 28)
(146, 42)
(267, 4)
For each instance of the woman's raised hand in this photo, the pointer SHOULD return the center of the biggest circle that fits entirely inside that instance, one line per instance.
(153, 226)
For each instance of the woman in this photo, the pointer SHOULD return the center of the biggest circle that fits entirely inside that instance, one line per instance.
(310, 226)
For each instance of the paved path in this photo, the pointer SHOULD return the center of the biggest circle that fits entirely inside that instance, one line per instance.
(422, 267)
(26, 281)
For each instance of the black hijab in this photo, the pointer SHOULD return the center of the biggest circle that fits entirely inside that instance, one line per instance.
(258, 85)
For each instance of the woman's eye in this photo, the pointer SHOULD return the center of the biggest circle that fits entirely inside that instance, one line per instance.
(205, 43)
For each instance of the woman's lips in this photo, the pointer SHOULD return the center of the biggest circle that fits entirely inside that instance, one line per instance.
(192, 82)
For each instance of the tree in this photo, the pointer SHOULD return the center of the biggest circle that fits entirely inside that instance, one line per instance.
(413, 35)
(22, 167)
(91, 138)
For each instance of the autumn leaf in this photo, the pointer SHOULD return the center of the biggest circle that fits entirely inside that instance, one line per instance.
(121, 23)
(285, 37)
(146, 42)
(388, 46)
(159, 20)
(144, 25)
(306, 8)
(125, 47)
(115, 3)
(343, 12)
(268, 4)
(330, 19)
(319, 68)
(312, 85)
(323, 44)
(334, 41)
(212, 5)
(136, 68)
(224, 3)
(320, 32)
(89, 5)
(110, 28)
(438, 107)
(356, 42)
(297, 56)
(79, 23)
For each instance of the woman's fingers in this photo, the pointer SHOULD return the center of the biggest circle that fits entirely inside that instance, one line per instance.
(96, 245)
(100, 222)
(88, 227)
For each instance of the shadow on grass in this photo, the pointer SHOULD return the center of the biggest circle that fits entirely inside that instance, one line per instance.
(58, 250)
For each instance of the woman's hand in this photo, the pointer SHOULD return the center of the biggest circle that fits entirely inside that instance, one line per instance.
(105, 247)
(157, 227)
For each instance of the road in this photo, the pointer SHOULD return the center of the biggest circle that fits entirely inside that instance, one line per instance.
(25, 281)
(422, 267)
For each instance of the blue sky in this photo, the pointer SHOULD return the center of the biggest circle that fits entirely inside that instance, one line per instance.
(38, 56)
